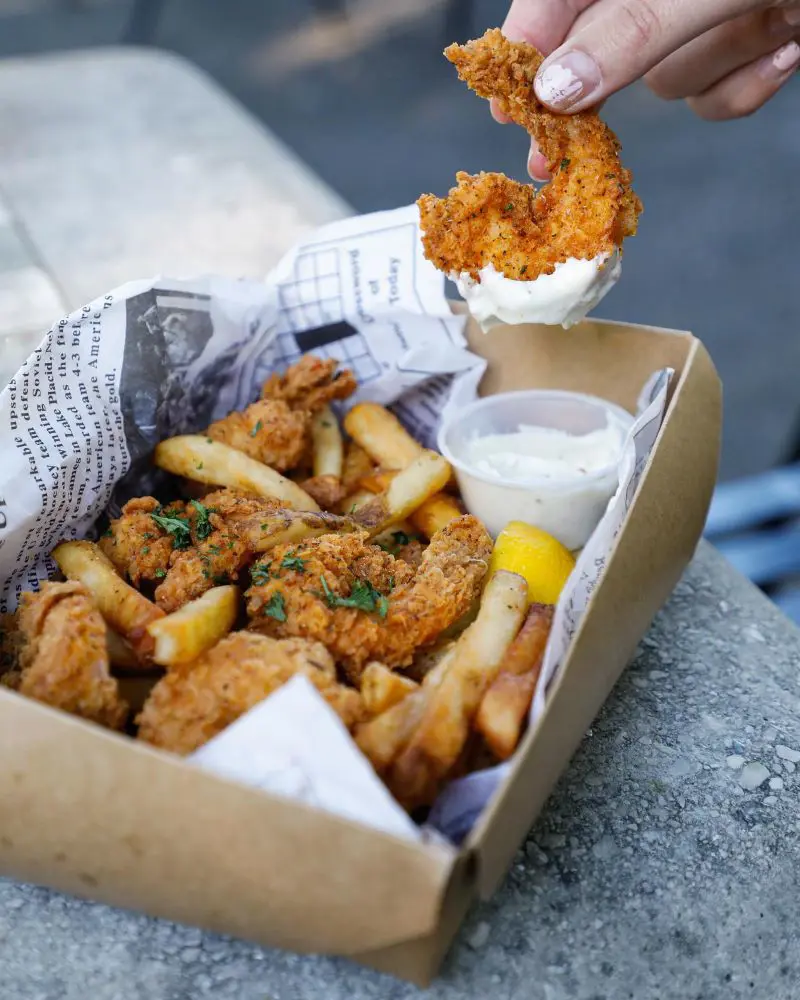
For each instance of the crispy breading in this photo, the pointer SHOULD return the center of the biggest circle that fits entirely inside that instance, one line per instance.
(305, 590)
(268, 430)
(189, 706)
(310, 384)
(221, 548)
(587, 209)
(135, 543)
(64, 659)
(326, 490)
(276, 429)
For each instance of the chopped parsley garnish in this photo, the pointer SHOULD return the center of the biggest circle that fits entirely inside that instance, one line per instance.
(509, 206)
(199, 466)
(399, 539)
(202, 526)
(160, 574)
(178, 527)
(564, 163)
(276, 607)
(260, 575)
(363, 597)
(108, 533)
(257, 428)
(291, 561)
(145, 550)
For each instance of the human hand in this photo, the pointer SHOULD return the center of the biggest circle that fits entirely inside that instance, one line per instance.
(725, 57)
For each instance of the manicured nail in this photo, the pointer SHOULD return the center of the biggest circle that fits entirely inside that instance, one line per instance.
(568, 80)
(786, 59)
(537, 167)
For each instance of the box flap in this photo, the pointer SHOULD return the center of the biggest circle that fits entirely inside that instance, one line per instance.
(657, 541)
(101, 816)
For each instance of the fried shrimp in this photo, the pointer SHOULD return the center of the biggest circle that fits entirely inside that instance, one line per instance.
(584, 213)
(362, 602)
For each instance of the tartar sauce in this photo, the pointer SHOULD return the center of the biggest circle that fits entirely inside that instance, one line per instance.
(562, 298)
(535, 453)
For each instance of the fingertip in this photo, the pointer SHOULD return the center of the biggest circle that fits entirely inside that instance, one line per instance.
(497, 114)
(537, 165)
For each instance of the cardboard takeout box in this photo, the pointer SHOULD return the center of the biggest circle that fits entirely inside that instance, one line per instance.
(99, 815)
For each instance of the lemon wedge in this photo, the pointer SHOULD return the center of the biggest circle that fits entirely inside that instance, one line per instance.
(538, 557)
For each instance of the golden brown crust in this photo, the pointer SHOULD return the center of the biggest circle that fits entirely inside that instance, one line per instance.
(64, 659)
(587, 209)
(420, 602)
(191, 705)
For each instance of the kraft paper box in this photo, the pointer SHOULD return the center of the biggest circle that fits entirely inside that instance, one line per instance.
(102, 816)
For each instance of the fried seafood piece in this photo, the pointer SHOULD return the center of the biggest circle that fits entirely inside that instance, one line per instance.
(64, 658)
(214, 546)
(586, 210)
(188, 707)
(276, 429)
(227, 530)
(10, 644)
(362, 602)
(310, 384)
(326, 490)
(137, 543)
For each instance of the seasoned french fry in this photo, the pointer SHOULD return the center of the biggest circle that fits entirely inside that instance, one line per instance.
(431, 516)
(381, 688)
(381, 739)
(426, 475)
(328, 449)
(182, 636)
(382, 436)
(203, 460)
(357, 463)
(435, 514)
(120, 655)
(285, 526)
(434, 748)
(124, 609)
(505, 705)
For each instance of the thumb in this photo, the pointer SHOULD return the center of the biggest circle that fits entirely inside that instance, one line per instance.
(542, 23)
(621, 41)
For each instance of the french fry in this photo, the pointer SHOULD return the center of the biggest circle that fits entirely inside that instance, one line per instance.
(203, 460)
(505, 705)
(327, 446)
(426, 475)
(357, 463)
(381, 739)
(382, 436)
(436, 745)
(431, 516)
(381, 688)
(435, 514)
(126, 610)
(182, 636)
(283, 527)
(120, 655)
(351, 503)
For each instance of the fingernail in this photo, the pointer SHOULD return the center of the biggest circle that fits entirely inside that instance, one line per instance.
(792, 17)
(780, 63)
(567, 80)
(537, 167)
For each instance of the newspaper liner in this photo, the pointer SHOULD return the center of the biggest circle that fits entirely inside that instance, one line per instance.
(155, 358)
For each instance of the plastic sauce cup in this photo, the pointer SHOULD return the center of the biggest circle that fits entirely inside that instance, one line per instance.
(567, 505)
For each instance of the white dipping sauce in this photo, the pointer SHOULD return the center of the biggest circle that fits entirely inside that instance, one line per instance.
(561, 298)
(558, 481)
(545, 453)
